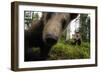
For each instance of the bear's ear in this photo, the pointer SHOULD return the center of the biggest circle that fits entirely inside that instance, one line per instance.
(73, 15)
(46, 16)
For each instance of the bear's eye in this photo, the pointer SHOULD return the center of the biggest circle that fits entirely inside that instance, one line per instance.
(49, 15)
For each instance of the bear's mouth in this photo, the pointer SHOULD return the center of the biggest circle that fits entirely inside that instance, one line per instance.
(51, 39)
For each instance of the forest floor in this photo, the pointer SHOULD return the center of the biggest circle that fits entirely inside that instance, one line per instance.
(66, 50)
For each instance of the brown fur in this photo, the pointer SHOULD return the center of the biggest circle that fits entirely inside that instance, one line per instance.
(45, 33)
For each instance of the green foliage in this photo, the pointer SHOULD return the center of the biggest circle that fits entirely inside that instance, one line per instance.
(67, 51)
(85, 27)
(30, 16)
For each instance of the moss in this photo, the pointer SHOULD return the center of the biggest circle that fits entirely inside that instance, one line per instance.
(64, 50)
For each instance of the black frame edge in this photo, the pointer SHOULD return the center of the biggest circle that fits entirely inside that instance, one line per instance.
(12, 36)
(14, 32)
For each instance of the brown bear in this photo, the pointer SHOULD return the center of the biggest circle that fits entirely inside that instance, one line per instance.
(45, 33)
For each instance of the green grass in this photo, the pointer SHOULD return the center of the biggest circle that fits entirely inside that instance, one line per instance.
(64, 50)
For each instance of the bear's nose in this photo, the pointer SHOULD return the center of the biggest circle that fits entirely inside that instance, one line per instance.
(51, 39)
